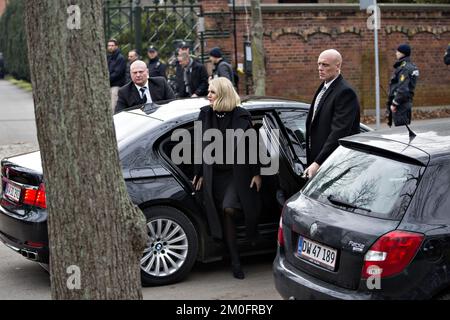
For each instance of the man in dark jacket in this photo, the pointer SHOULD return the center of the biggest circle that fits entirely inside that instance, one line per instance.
(334, 112)
(191, 77)
(142, 89)
(401, 88)
(133, 55)
(221, 67)
(155, 67)
(117, 68)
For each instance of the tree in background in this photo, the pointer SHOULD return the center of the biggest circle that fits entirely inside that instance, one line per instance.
(13, 42)
(96, 235)
(258, 66)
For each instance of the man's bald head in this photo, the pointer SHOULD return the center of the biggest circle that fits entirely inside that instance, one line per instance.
(329, 64)
(332, 54)
(138, 64)
(139, 72)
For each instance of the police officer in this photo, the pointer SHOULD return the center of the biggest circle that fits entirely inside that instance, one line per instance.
(155, 67)
(401, 88)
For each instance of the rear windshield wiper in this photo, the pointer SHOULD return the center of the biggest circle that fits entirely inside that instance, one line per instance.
(344, 203)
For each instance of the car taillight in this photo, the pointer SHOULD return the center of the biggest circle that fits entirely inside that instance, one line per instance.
(391, 254)
(280, 233)
(35, 197)
(33, 244)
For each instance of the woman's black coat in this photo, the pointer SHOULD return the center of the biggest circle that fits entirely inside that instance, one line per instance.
(242, 177)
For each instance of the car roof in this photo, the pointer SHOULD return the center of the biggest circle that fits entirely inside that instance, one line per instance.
(431, 142)
(182, 107)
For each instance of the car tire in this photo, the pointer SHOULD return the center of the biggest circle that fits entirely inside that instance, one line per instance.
(172, 246)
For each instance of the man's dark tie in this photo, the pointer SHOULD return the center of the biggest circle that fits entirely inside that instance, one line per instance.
(143, 95)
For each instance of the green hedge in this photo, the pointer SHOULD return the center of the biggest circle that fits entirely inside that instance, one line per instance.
(13, 42)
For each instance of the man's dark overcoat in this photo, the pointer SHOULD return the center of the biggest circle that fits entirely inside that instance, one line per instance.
(129, 95)
(337, 116)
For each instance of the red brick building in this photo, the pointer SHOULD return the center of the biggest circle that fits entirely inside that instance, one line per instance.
(295, 34)
(2, 6)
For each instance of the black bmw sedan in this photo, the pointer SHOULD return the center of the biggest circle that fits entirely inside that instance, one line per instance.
(178, 230)
(374, 223)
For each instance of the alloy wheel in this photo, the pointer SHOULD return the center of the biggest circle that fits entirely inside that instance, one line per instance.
(167, 248)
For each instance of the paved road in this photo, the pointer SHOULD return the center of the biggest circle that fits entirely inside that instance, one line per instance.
(20, 278)
(23, 279)
(17, 124)
(214, 281)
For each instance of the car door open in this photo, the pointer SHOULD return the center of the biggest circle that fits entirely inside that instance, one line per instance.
(280, 149)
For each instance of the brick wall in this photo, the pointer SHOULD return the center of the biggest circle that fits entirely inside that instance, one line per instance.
(296, 34)
(2, 6)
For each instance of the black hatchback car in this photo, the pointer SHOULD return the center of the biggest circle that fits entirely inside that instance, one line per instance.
(178, 230)
(374, 223)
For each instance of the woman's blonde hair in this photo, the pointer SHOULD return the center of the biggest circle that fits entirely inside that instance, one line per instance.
(227, 97)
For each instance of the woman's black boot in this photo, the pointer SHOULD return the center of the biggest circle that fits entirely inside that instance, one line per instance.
(230, 239)
(238, 273)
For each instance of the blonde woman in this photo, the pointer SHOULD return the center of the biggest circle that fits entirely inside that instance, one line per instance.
(228, 189)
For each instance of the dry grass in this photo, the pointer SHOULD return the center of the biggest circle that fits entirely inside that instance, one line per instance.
(20, 83)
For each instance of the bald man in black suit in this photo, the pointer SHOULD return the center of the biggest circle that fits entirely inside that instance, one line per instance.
(334, 112)
(142, 89)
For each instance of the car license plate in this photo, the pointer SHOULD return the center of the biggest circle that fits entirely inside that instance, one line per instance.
(12, 192)
(317, 253)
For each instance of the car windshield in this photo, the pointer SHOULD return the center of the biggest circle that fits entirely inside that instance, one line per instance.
(130, 124)
(365, 183)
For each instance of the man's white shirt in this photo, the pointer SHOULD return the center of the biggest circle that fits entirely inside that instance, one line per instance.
(147, 92)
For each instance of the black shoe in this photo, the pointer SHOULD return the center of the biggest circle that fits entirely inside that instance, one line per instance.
(237, 272)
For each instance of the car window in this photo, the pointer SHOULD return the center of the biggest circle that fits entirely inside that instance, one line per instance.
(294, 121)
(286, 179)
(279, 141)
(432, 201)
(365, 183)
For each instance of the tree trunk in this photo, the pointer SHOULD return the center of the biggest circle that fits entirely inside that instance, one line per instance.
(258, 65)
(93, 227)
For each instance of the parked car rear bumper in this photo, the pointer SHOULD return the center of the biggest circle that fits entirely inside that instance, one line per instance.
(15, 233)
(291, 283)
